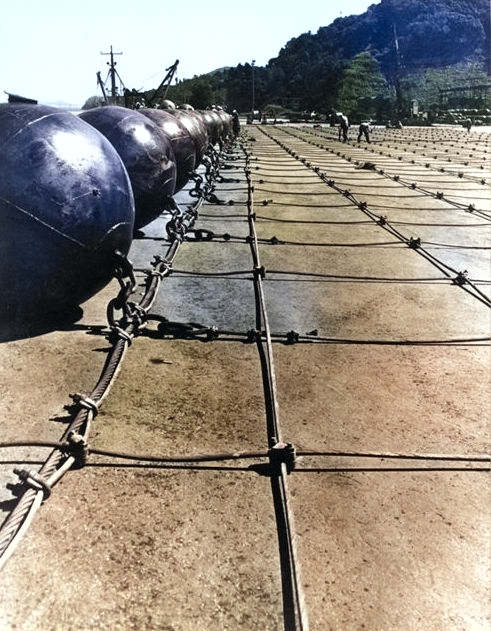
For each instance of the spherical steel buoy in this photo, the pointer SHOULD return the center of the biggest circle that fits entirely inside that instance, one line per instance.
(66, 207)
(196, 127)
(146, 153)
(226, 122)
(168, 105)
(181, 141)
(214, 125)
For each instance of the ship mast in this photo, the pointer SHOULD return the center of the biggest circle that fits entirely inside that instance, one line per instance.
(113, 73)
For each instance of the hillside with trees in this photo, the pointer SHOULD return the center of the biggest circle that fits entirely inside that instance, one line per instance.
(392, 45)
(435, 53)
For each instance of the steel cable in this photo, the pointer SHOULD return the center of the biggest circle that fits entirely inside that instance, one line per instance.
(469, 287)
(16, 523)
(459, 174)
(411, 185)
(294, 611)
(240, 455)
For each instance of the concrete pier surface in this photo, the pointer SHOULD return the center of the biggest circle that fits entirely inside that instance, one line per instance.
(374, 270)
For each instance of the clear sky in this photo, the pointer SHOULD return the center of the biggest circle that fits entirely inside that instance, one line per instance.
(50, 50)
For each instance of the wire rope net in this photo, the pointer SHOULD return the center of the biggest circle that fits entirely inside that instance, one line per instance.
(283, 265)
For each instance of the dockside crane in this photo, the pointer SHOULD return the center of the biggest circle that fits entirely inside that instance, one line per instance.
(135, 98)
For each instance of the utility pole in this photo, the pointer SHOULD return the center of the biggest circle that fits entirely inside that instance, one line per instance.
(112, 73)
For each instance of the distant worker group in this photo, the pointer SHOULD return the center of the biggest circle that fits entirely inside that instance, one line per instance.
(363, 130)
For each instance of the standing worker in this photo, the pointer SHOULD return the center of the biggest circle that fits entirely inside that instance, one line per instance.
(343, 126)
(235, 123)
(364, 130)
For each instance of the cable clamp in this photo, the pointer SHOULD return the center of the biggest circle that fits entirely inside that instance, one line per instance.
(161, 268)
(253, 335)
(292, 337)
(213, 199)
(414, 243)
(85, 402)
(34, 481)
(155, 272)
(78, 448)
(382, 220)
(461, 278)
(119, 333)
(203, 235)
(212, 333)
(165, 266)
(283, 453)
(260, 272)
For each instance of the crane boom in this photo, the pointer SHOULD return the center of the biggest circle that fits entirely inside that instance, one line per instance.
(161, 91)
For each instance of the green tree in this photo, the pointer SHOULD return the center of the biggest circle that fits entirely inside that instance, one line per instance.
(364, 92)
(92, 101)
(428, 87)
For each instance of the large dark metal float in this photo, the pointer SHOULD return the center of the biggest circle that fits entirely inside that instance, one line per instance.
(66, 207)
(146, 153)
(181, 141)
(73, 189)
(196, 127)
